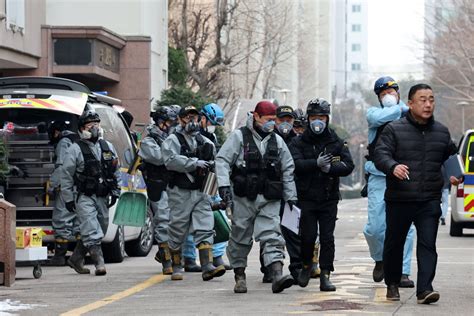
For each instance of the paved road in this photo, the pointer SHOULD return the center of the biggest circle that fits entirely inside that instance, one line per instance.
(135, 287)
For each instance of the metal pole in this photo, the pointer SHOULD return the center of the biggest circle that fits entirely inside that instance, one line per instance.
(462, 124)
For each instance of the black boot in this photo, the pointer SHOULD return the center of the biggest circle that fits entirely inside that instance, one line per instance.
(406, 282)
(177, 274)
(60, 250)
(98, 259)
(163, 256)
(325, 284)
(279, 282)
(267, 275)
(240, 282)
(218, 261)
(378, 274)
(392, 293)
(76, 261)
(305, 275)
(208, 270)
(190, 265)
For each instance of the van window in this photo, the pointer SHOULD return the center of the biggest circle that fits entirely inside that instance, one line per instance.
(467, 153)
(115, 132)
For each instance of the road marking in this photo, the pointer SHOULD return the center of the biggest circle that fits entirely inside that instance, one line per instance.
(117, 296)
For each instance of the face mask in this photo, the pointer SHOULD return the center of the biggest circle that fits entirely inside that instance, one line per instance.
(268, 126)
(317, 126)
(191, 128)
(285, 128)
(389, 100)
(211, 129)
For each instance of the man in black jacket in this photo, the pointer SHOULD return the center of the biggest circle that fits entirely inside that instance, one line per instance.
(410, 152)
(321, 157)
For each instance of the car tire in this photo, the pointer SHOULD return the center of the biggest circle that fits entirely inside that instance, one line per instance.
(141, 246)
(455, 228)
(114, 252)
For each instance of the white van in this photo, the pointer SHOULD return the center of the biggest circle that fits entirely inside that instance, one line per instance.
(27, 106)
(462, 196)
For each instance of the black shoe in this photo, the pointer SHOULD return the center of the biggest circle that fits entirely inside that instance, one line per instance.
(427, 297)
(190, 265)
(392, 293)
(443, 221)
(406, 282)
(378, 274)
(304, 275)
(326, 285)
(280, 282)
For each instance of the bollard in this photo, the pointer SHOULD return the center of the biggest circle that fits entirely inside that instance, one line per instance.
(7, 242)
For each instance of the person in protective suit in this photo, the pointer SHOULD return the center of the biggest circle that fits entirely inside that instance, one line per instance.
(391, 109)
(189, 156)
(321, 157)
(156, 178)
(91, 164)
(64, 222)
(211, 117)
(259, 166)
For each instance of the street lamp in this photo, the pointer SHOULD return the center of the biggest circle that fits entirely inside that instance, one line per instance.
(462, 105)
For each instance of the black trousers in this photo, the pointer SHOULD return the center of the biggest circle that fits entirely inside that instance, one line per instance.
(322, 214)
(399, 215)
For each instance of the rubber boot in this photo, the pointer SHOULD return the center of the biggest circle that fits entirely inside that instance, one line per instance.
(218, 261)
(60, 250)
(315, 270)
(177, 274)
(76, 261)
(305, 275)
(208, 270)
(98, 259)
(163, 256)
(325, 284)
(240, 282)
(190, 265)
(279, 282)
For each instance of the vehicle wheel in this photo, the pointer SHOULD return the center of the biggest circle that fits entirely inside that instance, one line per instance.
(141, 247)
(455, 229)
(37, 271)
(114, 252)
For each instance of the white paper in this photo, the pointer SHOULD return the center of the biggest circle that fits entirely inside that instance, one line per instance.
(291, 218)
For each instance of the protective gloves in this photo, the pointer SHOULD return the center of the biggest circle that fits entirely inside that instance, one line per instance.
(112, 200)
(324, 162)
(71, 206)
(226, 195)
(203, 164)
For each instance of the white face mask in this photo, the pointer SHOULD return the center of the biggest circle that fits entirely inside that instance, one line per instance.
(211, 129)
(389, 100)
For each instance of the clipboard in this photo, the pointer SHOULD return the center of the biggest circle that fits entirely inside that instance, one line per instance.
(291, 218)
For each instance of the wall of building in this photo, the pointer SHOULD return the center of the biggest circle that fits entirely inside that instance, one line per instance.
(21, 48)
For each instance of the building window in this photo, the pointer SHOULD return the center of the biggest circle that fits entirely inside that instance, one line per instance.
(356, 8)
(15, 12)
(356, 47)
(355, 67)
(356, 28)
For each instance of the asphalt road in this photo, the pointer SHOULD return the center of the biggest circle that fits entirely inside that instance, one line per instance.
(136, 287)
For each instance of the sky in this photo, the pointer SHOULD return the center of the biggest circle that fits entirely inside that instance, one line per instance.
(396, 31)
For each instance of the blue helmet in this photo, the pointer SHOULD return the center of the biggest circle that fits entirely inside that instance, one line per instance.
(384, 83)
(213, 113)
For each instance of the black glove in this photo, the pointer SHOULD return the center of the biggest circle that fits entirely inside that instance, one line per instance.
(112, 200)
(71, 206)
(226, 195)
(292, 203)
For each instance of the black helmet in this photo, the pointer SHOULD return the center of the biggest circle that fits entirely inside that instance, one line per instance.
(300, 118)
(57, 126)
(164, 113)
(88, 116)
(318, 107)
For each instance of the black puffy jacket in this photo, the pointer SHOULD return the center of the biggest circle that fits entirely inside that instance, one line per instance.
(311, 183)
(423, 148)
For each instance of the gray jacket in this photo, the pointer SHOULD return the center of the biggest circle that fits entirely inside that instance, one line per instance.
(74, 162)
(150, 150)
(232, 154)
(60, 152)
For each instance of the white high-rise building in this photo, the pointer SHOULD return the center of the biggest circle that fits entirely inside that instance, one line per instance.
(350, 46)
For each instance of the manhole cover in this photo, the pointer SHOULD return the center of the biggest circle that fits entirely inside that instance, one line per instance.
(335, 305)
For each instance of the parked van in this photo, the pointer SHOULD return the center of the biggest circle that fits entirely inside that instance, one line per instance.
(27, 106)
(462, 196)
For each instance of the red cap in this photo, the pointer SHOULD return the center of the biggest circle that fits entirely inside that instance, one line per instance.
(265, 108)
